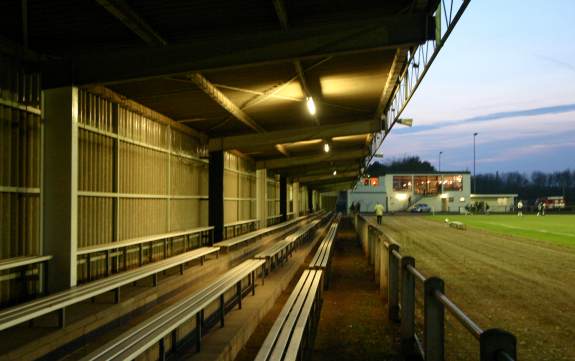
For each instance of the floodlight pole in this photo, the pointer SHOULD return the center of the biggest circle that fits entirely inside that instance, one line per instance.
(474, 174)
(439, 163)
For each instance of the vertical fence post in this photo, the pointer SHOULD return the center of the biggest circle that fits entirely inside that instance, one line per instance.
(434, 316)
(407, 329)
(495, 341)
(393, 283)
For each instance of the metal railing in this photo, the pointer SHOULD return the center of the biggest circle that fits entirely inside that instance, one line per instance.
(399, 278)
(418, 62)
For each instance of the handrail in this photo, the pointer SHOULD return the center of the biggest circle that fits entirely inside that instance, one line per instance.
(495, 344)
(467, 322)
(416, 273)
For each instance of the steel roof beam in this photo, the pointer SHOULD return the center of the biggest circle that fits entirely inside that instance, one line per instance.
(123, 12)
(397, 66)
(240, 50)
(279, 163)
(251, 141)
(319, 169)
(324, 177)
(204, 84)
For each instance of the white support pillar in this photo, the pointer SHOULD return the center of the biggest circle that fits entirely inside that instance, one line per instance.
(261, 197)
(60, 185)
(295, 191)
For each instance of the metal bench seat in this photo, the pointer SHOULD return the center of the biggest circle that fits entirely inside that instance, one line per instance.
(251, 236)
(23, 261)
(457, 225)
(138, 339)
(322, 255)
(59, 301)
(276, 253)
(291, 333)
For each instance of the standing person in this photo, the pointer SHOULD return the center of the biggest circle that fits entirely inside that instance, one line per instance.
(539, 209)
(520, 209)
(379, 211)
(352, 208)
(543, 208)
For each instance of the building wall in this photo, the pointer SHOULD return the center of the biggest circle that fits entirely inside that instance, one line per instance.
(273, 199)
(239, 188)
(497, 204)
(137, 176)
(20, 172)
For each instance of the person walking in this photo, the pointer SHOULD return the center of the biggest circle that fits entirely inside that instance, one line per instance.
(379, 211)
(539, 209)
(520, 209)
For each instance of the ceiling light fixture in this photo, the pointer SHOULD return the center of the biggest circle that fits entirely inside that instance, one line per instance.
(326, 147)
(310, 105)
(335, 172)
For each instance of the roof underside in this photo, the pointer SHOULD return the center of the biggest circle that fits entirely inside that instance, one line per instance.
(233, 69)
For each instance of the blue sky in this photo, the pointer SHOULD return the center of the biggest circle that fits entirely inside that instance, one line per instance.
(507, 72)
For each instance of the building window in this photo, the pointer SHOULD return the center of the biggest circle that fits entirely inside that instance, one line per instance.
(402, 183)
(427, 185)
(453, 183)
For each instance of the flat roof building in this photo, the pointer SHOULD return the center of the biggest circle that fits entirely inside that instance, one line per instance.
(441, 191)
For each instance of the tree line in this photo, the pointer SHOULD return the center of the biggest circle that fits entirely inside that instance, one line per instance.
(529, 187)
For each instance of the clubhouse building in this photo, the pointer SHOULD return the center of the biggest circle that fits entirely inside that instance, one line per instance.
(442, 191)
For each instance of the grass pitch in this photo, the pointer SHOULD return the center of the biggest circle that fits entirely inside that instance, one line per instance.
(558, 229)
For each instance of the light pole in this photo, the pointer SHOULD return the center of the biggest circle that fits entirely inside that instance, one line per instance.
(474, 174)
(439, 163)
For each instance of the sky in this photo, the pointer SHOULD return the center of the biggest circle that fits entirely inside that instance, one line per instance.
(506, 72)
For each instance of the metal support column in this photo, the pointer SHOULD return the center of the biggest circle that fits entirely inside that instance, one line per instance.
(216, 194)
(261, 197)
(283, 198)
(60, 185)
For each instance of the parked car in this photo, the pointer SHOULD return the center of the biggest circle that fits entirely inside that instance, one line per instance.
(421, 208)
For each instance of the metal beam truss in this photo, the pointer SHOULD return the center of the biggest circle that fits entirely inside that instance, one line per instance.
(448, 12)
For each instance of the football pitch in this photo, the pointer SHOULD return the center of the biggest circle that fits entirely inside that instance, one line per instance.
(555, 228)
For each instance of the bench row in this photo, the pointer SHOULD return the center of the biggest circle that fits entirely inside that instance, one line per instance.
(58, 302)
(192, 309)
(292, 334)
(191, 315)
(252, 236)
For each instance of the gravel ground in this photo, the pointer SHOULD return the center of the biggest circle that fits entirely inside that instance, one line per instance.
(353, 323)
(524, 286)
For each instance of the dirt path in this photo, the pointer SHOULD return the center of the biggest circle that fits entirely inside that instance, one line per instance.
(524, 286)
(353, 323)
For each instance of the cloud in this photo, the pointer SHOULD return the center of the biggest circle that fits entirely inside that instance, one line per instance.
(557, 109)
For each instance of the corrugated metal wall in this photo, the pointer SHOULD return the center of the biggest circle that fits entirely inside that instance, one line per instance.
(273, 198)
(303, 200)
(20, 175)
(137, 177)
(239, 189)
